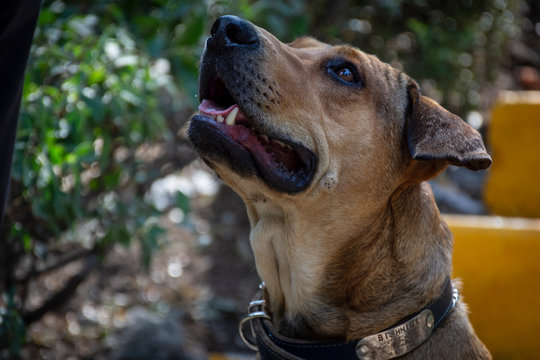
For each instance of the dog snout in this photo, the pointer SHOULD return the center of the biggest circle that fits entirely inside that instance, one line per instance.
(233, 32)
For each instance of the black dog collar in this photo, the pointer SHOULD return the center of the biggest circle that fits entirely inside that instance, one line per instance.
(393, 342)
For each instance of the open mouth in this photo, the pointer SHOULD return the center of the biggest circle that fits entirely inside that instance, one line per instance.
(223, 131)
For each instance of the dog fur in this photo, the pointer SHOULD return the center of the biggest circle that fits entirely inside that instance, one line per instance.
(363, 246)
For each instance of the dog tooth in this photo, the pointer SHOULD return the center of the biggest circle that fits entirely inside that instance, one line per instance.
(220, 119)
(232, 116)
(265, 138)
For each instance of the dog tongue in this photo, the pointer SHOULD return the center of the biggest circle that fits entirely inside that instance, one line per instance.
(213, 108)
(265, 151)
(250, 140)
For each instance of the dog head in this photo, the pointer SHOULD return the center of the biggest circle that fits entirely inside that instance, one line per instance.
(291, 120)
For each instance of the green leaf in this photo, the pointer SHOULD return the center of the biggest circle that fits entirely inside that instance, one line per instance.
(193, 30)
(117, 234)
(97, 75)
(183, 202)
(149, 243)
(27, 242)
(12, 328)
(111, 179)
(83, 151)
(96, 106)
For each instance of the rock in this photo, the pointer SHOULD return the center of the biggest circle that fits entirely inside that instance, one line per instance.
(149, 336)
(451, 199)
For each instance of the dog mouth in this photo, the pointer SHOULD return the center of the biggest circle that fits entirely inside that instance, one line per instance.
(224, 132)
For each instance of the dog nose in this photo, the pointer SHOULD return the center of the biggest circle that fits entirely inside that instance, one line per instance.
(232, 31)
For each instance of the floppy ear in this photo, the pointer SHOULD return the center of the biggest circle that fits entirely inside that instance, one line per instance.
(433, 133)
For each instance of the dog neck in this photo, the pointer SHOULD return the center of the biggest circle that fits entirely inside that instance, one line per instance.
(343, 273)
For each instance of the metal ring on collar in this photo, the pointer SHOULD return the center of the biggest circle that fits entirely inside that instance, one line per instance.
(255, 303)
(251, 316)
(455, 296)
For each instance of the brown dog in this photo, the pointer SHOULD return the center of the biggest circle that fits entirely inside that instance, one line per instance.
(330, 148)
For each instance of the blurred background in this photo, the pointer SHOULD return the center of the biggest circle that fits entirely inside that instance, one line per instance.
(118, 243)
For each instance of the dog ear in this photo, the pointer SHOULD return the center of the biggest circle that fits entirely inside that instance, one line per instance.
(435, 134)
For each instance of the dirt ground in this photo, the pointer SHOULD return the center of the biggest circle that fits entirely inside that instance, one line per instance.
(187, 305)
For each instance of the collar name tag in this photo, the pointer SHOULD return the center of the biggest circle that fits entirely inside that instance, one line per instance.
(398, 340)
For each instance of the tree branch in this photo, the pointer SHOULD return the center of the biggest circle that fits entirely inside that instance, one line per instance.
(76, 255)
(63, 295)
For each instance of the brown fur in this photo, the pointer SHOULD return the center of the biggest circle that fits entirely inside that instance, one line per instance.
(364, 245)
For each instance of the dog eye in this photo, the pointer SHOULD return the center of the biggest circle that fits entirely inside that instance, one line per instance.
(345, 73)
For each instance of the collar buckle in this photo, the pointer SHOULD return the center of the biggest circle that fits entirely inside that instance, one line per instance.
(252, 315)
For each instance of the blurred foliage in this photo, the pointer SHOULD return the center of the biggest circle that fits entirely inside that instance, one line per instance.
(100, 110)
(90, 100)
(107, 81)
(452, 48)
(12, 329)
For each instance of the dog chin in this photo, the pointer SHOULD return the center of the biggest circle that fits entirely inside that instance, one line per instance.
(224, 136)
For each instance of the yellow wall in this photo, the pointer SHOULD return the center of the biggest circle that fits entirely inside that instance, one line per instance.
(498, 260)
(513, 187)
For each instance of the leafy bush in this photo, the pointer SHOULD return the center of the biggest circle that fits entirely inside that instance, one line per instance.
(90, 101)
(99, 123)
